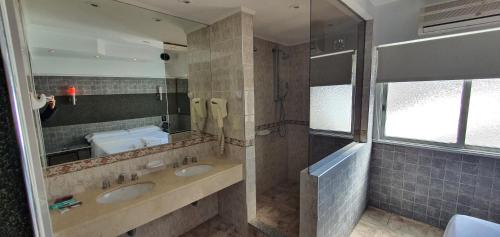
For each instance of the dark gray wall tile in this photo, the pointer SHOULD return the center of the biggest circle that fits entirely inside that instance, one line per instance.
(342, 192)
(432, 186)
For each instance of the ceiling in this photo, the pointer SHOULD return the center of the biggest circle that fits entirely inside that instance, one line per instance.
(282, 21)
(275, 20)
(107, 19)
(382, 2)
(108, 30)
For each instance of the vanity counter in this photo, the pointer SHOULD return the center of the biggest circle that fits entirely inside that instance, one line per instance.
(170, 193)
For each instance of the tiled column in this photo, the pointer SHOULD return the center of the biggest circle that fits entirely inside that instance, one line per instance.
(231, 41)
(199, 71)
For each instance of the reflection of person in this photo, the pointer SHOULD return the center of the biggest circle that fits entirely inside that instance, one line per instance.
(49, 110)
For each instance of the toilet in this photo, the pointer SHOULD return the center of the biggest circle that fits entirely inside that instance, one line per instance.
(467, 226)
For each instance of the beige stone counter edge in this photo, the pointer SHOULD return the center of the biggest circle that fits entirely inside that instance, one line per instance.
(175, 192)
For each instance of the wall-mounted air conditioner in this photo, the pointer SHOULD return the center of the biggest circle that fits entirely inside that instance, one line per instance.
(459, 15)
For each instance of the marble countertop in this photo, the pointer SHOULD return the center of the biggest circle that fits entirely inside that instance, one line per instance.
(170, 193)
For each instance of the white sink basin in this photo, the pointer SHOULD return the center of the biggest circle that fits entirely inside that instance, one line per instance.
(193, 170)
(125, 193)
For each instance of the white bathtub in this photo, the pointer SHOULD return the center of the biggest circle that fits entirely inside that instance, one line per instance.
(466, 226)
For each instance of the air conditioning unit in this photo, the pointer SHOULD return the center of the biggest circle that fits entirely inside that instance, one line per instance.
(459, 15)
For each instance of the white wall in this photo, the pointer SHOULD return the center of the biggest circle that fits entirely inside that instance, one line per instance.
(396, 21)
(364, 8)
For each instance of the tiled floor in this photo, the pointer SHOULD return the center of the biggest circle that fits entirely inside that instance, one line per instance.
(278, 208)
(215, 227)
(379, 223)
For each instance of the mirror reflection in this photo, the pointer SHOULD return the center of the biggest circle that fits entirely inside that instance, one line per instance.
(109, 77)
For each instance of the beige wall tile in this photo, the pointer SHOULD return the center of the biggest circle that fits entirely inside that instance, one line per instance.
(283, 157)
(298, 150)
(180, 221)
(232, 53)
(271, 163)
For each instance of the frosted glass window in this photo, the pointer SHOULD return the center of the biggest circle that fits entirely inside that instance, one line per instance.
(331, 108)
(483, 124)
(427, 111)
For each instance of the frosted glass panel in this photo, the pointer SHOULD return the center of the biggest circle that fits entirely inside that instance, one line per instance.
(426, 111)
(483, 125)
(331, 108)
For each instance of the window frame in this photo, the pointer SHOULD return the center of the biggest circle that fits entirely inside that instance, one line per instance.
(458, 147)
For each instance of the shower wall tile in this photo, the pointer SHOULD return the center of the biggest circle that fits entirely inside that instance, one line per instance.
(298, 150)
(271, 150)
(293, 153)
(432, 186)
(271, 161)
(295, 71)
(265, 107)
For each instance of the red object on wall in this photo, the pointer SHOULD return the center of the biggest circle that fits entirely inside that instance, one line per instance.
(72, 90)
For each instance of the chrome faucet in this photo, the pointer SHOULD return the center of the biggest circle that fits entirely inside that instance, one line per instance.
(106, 184)
(121, 179)
(134, 177)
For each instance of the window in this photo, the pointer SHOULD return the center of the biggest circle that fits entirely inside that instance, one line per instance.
(483, 124)
(331, 108)
(460, 114)
(424, 110)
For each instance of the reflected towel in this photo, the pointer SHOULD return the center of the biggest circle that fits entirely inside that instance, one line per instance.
(198, 113)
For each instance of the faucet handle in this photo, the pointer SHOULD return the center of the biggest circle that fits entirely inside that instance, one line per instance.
(121, 178)
(106, 184)
(134, 177)
(194, 159)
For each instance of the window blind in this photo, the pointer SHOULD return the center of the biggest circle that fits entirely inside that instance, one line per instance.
(457, 57)
(332, 69)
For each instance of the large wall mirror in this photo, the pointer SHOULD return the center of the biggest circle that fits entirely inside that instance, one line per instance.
(114, 76)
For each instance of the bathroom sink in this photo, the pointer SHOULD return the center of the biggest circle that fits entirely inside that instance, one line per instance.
(125, 193)
(193, 170)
